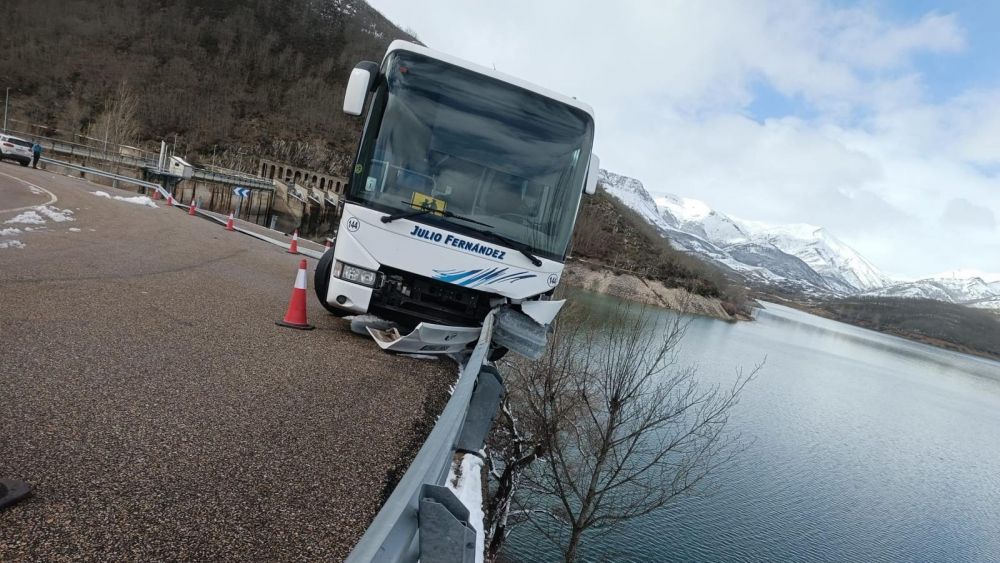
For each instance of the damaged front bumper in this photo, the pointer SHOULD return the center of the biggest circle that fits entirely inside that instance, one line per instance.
(522, 331)
(426, 338)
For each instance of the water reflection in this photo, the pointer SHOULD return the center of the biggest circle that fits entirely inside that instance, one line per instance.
(868, 448)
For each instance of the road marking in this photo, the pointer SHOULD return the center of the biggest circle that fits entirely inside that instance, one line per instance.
(52, 196)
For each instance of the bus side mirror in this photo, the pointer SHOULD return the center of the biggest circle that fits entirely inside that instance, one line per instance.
(361, 82)
(593, 173)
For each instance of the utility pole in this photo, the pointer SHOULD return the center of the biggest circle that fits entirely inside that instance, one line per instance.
(5, 100)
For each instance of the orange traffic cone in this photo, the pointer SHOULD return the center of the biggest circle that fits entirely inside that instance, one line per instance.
(295, 316)
(229, 223)
(170, 200)
(192, 207)
(294, 247)
(328, 245)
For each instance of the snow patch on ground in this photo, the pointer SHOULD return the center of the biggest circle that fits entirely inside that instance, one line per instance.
(27, 218)
(11, 244)
(74, 230)
(469, 489)
(34, 190)
(54, 214)
(138, 200)
(9, 232)
(35, 216)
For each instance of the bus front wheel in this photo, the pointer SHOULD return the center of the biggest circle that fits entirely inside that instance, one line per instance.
(321, 283)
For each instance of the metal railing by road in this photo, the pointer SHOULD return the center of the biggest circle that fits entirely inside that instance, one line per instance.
(398, 533)
(123, 155)
(237, 180)
(104, 174)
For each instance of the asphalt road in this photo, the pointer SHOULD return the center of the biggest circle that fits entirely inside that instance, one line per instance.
(159, 412)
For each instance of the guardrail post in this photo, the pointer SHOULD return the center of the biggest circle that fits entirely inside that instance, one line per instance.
(446, 535)
(482, 410)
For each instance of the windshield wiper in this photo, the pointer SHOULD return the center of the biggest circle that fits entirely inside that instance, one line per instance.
(428, 209)
(516, 245)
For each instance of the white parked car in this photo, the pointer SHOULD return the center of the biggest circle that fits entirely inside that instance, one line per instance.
(15, 148)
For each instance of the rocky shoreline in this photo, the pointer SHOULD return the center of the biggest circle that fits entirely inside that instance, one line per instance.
(640, 290)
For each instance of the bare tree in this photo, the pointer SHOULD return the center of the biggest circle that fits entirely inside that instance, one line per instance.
(545, 387)
(609, 427)
(118, 123)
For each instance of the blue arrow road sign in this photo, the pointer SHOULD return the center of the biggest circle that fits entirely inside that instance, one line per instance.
(242, 192)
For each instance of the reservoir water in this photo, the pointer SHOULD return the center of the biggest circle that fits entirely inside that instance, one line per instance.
(865, 447)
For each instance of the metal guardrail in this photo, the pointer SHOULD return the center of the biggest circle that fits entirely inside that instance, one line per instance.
(116, 155)
(108, 150)
(221, 219)
(395, 533)
(239, 180)
(233, 172)
(104, 174)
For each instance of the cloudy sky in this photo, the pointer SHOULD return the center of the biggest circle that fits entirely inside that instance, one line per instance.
(878, 120)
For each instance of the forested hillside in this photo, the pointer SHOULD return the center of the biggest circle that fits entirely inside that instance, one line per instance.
(935, 322)
(264, 77)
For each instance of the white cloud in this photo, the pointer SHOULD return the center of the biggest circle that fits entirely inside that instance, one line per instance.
(863, 40)
(672, 84)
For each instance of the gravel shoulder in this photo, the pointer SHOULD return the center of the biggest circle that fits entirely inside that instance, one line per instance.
(159, 412)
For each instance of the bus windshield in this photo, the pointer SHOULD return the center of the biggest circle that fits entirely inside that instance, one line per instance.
(443, 137)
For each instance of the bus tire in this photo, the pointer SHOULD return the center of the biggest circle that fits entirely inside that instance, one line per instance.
(496, 353)
(321, 282)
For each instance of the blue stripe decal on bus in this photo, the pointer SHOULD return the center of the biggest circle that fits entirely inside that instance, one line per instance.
(475, 278)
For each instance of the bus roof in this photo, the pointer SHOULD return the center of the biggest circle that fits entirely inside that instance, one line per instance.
(400, 45)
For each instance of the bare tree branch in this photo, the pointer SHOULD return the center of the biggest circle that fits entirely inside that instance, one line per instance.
(620, 428)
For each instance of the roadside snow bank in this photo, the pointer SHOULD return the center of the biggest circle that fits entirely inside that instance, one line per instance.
(137, 200)
(11, 244)
(9, 232)
(467, 485)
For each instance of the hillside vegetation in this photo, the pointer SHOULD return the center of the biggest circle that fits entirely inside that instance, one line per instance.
(935, 322)
(610, 234)
(257, 77)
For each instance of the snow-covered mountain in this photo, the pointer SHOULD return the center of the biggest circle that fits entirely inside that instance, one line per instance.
(798, 257)
(688, 237)
(840, 265)
(834, 260)
(793, 257)
(973, 292)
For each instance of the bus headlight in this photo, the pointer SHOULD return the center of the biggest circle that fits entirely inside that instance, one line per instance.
(355, 274)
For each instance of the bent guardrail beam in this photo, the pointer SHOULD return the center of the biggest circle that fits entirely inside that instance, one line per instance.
(394, 534)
